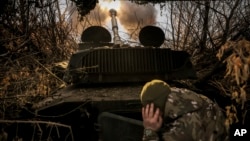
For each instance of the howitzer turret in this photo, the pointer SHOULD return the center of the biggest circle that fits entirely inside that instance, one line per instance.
(106, 64)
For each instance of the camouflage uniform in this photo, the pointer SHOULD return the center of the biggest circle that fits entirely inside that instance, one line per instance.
(190, 117)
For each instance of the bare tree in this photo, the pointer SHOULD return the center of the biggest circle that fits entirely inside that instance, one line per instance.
(207, 24)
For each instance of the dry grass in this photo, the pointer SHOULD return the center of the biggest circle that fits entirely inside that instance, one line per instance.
(237, 76)
(32, 41)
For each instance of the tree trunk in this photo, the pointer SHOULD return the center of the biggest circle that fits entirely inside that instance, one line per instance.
(205, 26)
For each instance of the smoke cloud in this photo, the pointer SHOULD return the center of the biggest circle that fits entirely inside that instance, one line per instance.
(131, 16)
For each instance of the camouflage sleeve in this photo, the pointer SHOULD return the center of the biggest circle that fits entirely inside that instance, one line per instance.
(195, 126)
(150, 135)
(184, 128)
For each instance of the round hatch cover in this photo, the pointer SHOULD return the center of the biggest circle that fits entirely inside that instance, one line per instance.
(151, 36)
(96, 34)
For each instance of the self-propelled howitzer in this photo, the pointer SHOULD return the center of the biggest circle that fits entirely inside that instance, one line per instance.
(108, 77)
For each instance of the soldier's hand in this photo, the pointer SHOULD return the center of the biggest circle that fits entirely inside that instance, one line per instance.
(151, 120)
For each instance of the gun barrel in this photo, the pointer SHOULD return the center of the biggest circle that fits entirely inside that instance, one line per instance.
(116, 39)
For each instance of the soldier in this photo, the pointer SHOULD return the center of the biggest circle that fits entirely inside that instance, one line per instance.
(174, 114)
